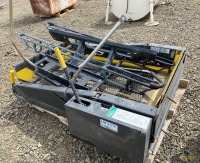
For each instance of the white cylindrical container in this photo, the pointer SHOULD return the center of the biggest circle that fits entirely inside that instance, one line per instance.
(132, 9)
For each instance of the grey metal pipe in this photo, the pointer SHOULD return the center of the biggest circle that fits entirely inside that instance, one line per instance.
(82, 65)
(12, 33)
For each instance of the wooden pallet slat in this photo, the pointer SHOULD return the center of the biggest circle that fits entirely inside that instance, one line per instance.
(65, 11)
(178, 95)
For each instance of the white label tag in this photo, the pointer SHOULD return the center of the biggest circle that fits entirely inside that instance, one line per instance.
(108, 125)
(129, 118)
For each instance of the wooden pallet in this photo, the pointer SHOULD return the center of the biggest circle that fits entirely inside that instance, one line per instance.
(179, 94)
(65, 11)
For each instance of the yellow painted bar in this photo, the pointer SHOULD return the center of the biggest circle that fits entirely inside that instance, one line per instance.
(153, 97)
(176, 58)
(128, 64)
(12, 76)
(60, 57)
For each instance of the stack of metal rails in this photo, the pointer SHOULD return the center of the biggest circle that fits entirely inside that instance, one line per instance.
(124, 90)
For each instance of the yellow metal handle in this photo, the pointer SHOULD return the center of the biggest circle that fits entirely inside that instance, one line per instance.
(60, 57)
(12, 76)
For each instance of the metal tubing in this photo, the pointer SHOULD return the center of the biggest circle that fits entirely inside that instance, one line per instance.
(12, 33)
(81, 66)
(152, 84)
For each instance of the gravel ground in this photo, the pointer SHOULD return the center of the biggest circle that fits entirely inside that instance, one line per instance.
(28, 135)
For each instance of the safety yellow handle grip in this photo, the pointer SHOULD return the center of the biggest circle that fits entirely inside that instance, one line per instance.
(60, 57)
(12, 76)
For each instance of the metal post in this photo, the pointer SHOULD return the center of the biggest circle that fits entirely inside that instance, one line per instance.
(81, 66)
(151, 22)
(107, 11)
(151, 11)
